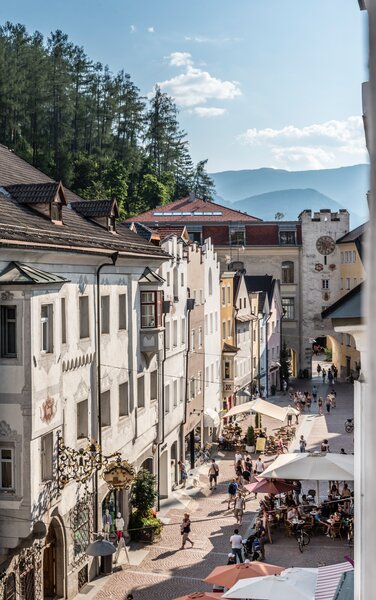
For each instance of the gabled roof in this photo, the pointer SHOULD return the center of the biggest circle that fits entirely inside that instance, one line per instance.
(15, 170)
(229, 349)
(348, 307)
(192, 210)
(36, 193)
(149, 276)
(263, 284)
(354, 234)
(18, 273)
(166, 231)
(141, 230)
(96, 208)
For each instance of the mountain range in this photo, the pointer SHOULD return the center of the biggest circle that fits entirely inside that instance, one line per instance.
(264, 192)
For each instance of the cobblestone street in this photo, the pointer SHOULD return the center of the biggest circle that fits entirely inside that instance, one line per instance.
(166, 572)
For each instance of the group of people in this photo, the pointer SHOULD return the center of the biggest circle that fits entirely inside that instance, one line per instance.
(331, 374)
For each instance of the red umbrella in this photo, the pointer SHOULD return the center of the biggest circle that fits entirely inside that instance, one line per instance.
(269, 486)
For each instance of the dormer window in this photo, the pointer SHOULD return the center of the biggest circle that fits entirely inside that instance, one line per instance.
(56, 213)
(111, 223)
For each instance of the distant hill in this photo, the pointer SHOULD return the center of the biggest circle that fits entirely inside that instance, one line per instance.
(346, 186)
(288, 202)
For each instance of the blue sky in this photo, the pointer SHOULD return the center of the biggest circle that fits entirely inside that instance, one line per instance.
(259, 83)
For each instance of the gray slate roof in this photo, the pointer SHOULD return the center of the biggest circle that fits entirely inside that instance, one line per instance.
(33, 193)
(95, 208)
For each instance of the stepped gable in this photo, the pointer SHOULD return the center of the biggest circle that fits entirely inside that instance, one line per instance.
(193, 210)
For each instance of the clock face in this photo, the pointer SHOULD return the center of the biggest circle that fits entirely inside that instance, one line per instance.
(325, 245)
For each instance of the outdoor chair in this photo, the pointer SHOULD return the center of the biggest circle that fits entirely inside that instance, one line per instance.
(335, 530)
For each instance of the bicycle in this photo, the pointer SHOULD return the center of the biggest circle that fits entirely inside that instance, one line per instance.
(301, 536)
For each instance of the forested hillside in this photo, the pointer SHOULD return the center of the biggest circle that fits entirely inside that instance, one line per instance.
(77, 121)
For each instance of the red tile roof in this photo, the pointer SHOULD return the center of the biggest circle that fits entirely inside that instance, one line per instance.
(196, 210)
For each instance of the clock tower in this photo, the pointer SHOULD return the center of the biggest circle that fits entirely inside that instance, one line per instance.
(320, 275)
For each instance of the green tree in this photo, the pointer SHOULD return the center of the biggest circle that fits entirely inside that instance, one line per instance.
(285, 362)
(203, 184)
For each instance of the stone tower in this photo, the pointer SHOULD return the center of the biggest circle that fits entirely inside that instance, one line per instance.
(320, 274)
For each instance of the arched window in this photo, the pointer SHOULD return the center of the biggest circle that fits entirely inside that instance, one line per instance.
(288, 271)
(210, 282)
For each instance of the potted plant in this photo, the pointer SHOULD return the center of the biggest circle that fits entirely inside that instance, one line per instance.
(250, 447)
(144, 525)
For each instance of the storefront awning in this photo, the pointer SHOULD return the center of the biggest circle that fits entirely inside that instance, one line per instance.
(211, 418)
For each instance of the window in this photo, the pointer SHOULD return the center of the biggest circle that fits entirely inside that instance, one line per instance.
(105, 314)
(175, 284)
(224, 330)
(167, 399)
(47, 455)
(123, 400)
(8, 331)
(211, 322)
(182, 389)
(212, 373)
(223, 296)
(354, 256)
(151, 309)
(182, 279)
(341, 283)
(201, 296)
(288, 271)
(6, 471)
(237, 237)
(210, 281)
(10, 590)
(206, 325)
(228, 294)
(355, 282)
(84, 317)
(240, 303)
(325, 260)
(46, 319)
(106, 409)
(122, 311)
(154, 385)
(341, 257)
(183, 330)
(206, 376)
(229, 328)
(192, 340)
(168, 335)
(168, 278)
(192, 387)
(82, 420)
(348, 339)
(175, 393)
(199, 382)
(325, 284)
(287, 238)
(140, 392)
(174, 333)
(63, 321)
(227, 370)
(200, 337)
(348, 283)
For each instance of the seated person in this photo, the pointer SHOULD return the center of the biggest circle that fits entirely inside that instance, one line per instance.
(289, 500)
(317, 520)
(325, 510)
(305, 503)
(292, 515)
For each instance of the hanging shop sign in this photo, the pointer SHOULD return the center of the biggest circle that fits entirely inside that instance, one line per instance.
(119, 475)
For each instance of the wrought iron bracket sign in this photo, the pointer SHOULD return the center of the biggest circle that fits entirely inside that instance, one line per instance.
(119, 475)
(79, 465)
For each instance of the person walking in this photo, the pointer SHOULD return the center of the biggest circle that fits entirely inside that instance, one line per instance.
(302, 444)
(213, 474)
(239, 508)
(318, 369)
(259, 466)
(319, 404)
(323, 375)
(333, 394)
(328, 403)
(183, 474)
(185, 530)
(314, 393)
(238, 456)
(231, 490)
(309, 402)
(236, 545)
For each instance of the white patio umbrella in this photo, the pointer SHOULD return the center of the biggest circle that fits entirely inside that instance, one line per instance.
(290, 410)
(319, 466)
(294, 583)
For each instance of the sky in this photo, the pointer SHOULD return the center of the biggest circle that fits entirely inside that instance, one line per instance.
(258, 83)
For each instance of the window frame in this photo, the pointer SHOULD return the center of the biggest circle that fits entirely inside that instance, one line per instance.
(154, 319)
(5, 332)
(47, 462)
(105, 314)
(84, 327)
(122, 312)
(6, 446)
(47, 324)
(287, 272)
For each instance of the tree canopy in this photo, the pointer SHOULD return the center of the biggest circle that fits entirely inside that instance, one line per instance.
(78, 122)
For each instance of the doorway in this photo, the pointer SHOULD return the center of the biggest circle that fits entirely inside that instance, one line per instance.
(53, 562)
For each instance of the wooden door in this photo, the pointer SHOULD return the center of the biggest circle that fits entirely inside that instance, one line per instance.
(49, 571)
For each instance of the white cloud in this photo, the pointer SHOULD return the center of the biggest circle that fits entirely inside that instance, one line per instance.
(151, 30)
(180, 59)
(203, 111)
(132, 28)
(196, 86)
(314, 146)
